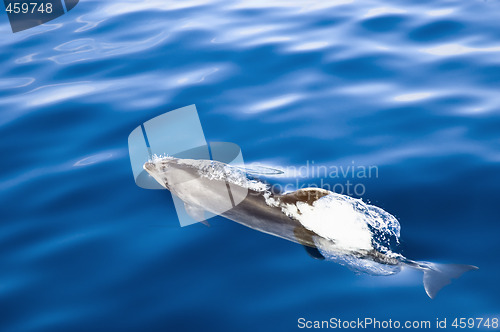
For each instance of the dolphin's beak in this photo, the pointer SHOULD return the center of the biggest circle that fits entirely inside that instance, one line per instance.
(152, 170)
(149, 167)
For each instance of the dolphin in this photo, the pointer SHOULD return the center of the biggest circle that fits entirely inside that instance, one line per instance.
(330, 226)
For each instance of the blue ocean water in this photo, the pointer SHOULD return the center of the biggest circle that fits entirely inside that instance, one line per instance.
(410, 87)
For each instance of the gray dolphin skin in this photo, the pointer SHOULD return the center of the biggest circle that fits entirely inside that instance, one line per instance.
(330, 226)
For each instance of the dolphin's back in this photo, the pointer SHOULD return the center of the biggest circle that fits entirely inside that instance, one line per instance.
(254, 212)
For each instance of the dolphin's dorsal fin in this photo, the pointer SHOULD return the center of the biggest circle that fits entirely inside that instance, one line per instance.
(197, 213)
(306, 195)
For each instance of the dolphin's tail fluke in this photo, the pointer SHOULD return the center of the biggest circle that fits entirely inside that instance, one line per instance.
(436, 276)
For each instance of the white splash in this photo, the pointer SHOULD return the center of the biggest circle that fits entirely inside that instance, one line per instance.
(350, 223)
(334, 219)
